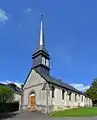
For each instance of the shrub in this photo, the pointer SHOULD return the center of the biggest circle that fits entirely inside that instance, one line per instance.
(6, 94)
(9, 106)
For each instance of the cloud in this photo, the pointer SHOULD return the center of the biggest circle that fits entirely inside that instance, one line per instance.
(80, 87)
(7, 81)
(28, 10)
(3, 16)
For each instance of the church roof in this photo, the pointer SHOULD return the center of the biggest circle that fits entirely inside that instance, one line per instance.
(41, 48)
(56, 82)
(60, 83)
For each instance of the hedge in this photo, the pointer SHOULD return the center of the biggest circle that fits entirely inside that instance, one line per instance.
(9, 107)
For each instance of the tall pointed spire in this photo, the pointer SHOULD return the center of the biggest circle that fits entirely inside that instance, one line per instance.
(41, 41)
(41, 58)
(41, 45)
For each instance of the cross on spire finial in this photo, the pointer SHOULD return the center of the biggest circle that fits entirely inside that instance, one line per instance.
(41, 17)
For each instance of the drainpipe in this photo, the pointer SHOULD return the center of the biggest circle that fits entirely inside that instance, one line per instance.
(47, 101)
(47, 92)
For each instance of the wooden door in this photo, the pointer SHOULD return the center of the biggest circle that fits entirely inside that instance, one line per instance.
(32, 101)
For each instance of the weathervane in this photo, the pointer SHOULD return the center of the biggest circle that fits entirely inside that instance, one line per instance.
(41, 17)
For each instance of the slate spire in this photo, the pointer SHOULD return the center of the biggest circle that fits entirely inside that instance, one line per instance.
(41, 40)
(41, 45)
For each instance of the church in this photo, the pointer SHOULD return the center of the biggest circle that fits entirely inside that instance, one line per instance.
(45, 93)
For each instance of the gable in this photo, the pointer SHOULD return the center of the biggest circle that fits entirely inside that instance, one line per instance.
(33, 79)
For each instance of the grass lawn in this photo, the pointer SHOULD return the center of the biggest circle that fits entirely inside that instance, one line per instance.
(76, 112)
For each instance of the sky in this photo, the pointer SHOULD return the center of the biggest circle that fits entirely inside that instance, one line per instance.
(70, 30)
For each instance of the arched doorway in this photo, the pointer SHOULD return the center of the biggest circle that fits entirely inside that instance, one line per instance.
(32, 100)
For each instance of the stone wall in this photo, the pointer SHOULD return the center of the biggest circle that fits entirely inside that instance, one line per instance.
(43, 98)
(59, 104)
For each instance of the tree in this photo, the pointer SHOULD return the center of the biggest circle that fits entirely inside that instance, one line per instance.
(6, 94)
(92, 92)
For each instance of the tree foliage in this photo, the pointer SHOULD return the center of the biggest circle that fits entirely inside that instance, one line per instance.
(92, 91)
(6, 94)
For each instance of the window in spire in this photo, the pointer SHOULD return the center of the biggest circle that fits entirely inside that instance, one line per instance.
(47, 62)
(43, 60)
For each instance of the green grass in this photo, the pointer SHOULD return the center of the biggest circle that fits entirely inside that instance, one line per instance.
(76, 112)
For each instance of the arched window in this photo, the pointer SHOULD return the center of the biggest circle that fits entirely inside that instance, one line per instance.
(43, 60)
(32, 93)
(70, 96)
(75, 97)
(63, 94)
(47, 62)
(82, 98)
(53, 89)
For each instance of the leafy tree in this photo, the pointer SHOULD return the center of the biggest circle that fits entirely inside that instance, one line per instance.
(6, 94)
(92, 92)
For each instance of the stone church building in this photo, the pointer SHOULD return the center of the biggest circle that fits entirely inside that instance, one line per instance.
(46, 93)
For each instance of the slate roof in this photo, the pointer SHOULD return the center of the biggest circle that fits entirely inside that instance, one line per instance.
(60, 83)
(14, 87)
(1, 84)
(55, 81)
(41, 48)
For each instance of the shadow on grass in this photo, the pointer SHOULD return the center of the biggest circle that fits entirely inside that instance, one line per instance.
(8, 115)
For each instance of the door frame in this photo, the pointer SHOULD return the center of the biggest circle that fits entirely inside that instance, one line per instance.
(32, 94)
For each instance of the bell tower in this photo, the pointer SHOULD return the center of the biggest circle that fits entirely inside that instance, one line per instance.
(41, 59)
